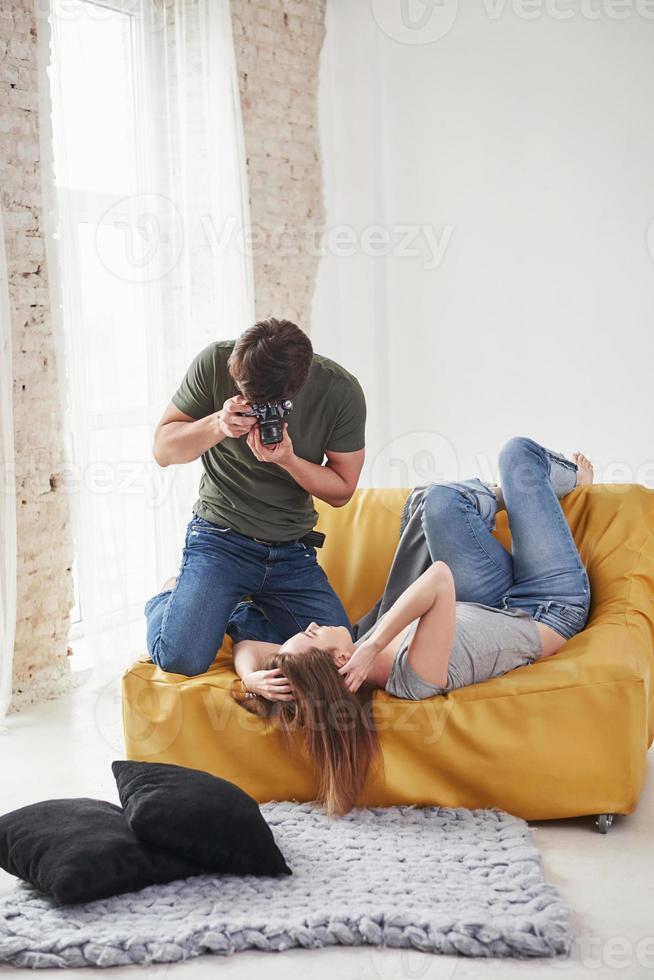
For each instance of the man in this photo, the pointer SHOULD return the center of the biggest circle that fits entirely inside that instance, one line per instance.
(255, 506)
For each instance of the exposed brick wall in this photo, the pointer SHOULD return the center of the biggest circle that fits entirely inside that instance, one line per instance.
(44, 537)
(277, 45)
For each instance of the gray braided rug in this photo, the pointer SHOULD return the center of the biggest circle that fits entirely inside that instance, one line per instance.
(439, 880)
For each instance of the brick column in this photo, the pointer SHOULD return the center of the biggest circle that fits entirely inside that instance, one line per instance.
(45, 593)
(277, 45)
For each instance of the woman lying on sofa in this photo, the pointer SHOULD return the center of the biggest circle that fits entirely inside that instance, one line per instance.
(476, 612)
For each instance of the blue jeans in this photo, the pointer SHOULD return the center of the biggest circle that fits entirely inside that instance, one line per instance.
(287, 586)
(544, 574)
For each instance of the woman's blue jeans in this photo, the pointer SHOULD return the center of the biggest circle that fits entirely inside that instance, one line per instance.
(544, 574)
(287, 587)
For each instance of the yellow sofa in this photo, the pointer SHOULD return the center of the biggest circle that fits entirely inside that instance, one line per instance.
(564, 737)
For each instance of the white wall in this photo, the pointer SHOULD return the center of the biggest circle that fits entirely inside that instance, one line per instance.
(529, 142)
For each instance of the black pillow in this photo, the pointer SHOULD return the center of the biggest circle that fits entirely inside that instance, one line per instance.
(204, 818)
(78, 850)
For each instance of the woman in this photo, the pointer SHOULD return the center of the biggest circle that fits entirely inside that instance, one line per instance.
(512, 609)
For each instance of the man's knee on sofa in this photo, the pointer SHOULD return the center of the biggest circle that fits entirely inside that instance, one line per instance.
(186, 660)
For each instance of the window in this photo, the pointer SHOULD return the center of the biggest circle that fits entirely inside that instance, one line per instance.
(99, 170)
(148, 172)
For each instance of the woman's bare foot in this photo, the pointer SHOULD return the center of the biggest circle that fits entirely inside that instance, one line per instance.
(584, 471)
(168, 584)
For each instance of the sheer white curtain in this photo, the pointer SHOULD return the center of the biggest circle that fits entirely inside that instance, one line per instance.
(7, 487)
(148, 265)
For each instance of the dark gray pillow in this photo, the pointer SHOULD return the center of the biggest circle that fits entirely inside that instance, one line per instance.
(201, 817)
(78, 850)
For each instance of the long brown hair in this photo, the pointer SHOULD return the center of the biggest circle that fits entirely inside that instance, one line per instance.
(337, 725)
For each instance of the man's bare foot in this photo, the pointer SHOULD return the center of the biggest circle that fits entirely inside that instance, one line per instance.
(585, 469)
(168, 584)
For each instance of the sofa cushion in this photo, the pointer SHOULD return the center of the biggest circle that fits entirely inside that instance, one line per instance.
(206, 819)
(79, 850)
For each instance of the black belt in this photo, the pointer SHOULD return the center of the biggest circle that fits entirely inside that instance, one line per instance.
(314, 539)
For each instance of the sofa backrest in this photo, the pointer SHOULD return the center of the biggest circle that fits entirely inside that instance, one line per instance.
(360, 544)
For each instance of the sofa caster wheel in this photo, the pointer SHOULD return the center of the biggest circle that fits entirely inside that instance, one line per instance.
(603, 822)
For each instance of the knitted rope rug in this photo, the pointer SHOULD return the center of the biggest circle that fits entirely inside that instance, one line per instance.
(440, 880)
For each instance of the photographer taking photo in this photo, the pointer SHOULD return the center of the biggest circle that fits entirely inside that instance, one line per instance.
(251, 536)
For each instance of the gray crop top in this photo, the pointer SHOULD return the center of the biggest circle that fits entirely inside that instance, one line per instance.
(487, 642)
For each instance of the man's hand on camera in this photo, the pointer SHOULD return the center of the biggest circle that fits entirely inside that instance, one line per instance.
(279, 452)
(230, 422)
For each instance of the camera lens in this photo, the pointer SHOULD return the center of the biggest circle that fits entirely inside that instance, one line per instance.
(271, 431)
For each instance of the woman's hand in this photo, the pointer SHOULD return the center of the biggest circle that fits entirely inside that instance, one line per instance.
(356, 670)
(270, 684)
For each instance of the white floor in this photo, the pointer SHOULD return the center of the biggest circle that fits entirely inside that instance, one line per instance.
(65, 747)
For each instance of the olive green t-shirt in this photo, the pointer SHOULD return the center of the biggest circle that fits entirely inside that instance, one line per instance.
(261, 499)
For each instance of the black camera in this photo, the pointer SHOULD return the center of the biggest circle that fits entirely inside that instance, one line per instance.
(270, 416)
